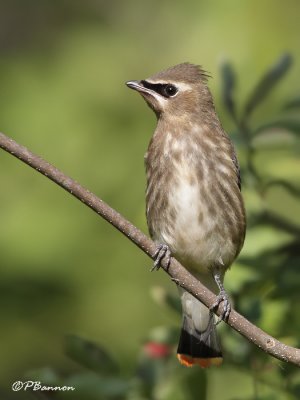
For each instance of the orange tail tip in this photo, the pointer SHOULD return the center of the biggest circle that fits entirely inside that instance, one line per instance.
(188, 361)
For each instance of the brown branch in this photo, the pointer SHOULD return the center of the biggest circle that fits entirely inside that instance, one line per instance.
(177, 272)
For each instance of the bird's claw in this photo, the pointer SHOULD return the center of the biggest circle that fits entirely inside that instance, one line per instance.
(222, 297)
(162, 251)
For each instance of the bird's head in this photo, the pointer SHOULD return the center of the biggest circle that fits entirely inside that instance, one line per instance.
(177, 91)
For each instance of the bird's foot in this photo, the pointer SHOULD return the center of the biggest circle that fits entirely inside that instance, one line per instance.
(222, 297)
(162, 251)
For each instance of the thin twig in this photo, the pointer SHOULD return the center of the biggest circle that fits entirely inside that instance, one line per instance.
(178, 273)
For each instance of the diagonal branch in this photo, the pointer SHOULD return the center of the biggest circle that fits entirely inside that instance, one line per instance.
(177, 272)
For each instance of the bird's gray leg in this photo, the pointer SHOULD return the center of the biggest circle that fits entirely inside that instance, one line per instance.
(162, 251)
(222, 297)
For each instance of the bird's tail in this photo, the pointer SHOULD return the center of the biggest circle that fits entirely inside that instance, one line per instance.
(198, 343)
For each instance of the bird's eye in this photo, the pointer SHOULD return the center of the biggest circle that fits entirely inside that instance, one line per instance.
(170, 90)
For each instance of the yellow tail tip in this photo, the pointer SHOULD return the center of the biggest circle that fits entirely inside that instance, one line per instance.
(189, 361)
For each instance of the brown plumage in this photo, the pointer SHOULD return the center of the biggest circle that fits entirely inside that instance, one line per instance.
(194, 203)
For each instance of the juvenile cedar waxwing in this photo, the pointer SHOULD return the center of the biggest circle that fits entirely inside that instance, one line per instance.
(195, 210)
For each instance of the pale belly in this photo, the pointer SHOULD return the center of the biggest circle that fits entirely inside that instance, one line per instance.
(198, 234)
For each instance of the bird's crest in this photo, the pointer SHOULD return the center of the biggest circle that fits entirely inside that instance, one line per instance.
(185, 72)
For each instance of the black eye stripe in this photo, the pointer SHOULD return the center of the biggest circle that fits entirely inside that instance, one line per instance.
(159, 88)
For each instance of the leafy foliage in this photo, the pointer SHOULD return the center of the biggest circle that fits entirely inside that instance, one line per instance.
(267, 83)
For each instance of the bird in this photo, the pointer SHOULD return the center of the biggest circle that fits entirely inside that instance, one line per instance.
(194, 207)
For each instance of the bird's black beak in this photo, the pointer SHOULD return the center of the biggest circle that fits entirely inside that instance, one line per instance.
(136, 85)
(140, 87)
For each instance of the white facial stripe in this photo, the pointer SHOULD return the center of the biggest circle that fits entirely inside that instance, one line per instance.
(183, 86)
(160, 99)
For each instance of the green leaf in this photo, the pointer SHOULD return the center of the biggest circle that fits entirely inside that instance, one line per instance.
(150, 371)
(267, 83)
(155, 353)
(89, 386)
(293, 190)
(291, 104)
(228, 85)
(291, 125)
(90, 355)
(46, 375)
(276, 221)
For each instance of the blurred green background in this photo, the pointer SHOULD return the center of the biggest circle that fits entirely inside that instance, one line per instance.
(63, 65)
